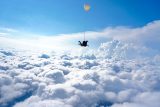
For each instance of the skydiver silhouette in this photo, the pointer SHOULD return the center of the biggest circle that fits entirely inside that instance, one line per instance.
(84, 43)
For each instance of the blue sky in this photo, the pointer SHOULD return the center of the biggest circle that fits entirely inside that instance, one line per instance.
(50, 17)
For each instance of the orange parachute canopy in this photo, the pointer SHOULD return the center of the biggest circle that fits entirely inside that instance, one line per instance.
(87, 7)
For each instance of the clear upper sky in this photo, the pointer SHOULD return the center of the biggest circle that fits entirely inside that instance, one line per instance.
(51, 17)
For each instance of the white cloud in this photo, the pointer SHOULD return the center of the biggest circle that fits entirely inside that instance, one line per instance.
(35, 101)
(146, 99)
(12, 91)
(9, 30)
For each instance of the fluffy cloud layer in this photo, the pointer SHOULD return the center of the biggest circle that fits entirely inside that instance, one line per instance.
(120, 73)
(29, 79)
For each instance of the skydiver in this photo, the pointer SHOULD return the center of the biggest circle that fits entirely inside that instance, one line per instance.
(84, 43)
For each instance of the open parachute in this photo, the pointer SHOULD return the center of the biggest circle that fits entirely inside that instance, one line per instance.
(87, 7)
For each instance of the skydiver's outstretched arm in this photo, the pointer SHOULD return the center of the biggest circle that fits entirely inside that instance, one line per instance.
(86, 43)
(80, 43)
